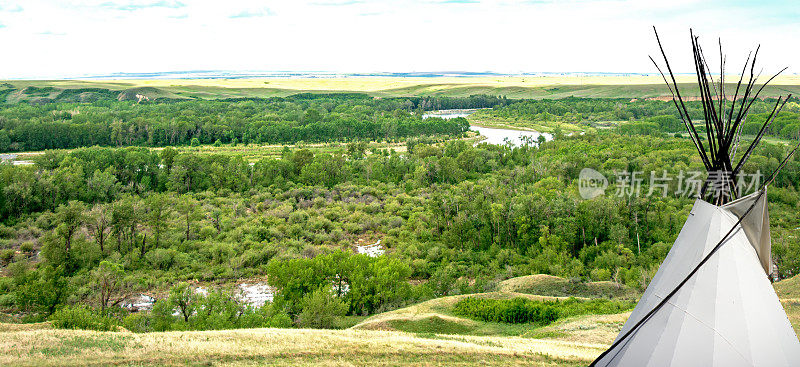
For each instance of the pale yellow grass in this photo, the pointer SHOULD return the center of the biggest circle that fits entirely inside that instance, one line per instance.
(276, 346)
(376, 84)
(7, 327)
(525, 281)
(600, 329)
(512, 87)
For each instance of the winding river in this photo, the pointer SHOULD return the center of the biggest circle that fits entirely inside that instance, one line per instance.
(493, 135)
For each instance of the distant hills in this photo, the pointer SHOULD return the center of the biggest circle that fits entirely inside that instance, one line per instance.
(227, 74)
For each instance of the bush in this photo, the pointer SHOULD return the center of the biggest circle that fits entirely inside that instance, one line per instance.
(82, 317)
(320, 309)
(160, 318)
(27, 247)
(7, 300)
(7, 232)
(137, 323)
(280, 320)
(6, 256)
(164, 259)
(515, 311)
(522, 310)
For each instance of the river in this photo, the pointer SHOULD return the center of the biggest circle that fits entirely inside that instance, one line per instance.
(492, 135)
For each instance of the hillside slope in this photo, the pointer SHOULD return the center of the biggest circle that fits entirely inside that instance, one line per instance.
(432, 336)
(48, 347)
(548, 285)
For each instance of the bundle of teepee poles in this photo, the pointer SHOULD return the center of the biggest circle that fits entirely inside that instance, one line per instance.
(723, 116)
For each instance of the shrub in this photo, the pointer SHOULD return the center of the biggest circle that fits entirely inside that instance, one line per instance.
(7, 300)
(7, 232)
(320, 309)
(27, 247)
(280, 320)
(522, 310)
(82, 317)
(137, 323)
(163, 259)
(6, 256)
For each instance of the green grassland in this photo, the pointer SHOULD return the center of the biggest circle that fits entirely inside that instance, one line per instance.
(511, 87)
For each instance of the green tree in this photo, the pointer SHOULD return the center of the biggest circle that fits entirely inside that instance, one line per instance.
(99, 223)
(102, 186)
(41, 291)
(168, 157)
(108, 284)
(5, 141)
(157, 211)
(183, 298)
(187, 208)
(124, 222)
(70, 217)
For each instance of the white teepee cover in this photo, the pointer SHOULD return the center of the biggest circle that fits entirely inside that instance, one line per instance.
(727, 314)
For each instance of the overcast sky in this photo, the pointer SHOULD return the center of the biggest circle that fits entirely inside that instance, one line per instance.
(46, 39)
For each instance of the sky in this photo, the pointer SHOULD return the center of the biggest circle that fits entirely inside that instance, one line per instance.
(63, 39)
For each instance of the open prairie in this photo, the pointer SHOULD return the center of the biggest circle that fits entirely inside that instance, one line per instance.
(511, 86)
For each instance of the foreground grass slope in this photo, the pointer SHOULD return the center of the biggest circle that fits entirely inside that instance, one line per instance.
(48, 347)
(432, 336)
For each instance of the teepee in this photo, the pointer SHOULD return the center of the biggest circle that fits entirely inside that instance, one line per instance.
(711, 302)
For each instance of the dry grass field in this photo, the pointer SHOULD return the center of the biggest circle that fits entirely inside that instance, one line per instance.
(49, 347)
(512, 86)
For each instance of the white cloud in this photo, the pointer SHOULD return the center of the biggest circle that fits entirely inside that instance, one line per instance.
(103, 36)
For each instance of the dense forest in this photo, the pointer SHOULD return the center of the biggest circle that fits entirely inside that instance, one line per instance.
(648, 116)
(66, 123)
(83, 228)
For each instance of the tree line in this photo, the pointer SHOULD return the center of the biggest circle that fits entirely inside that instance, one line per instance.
(61, 125)
(648, 116)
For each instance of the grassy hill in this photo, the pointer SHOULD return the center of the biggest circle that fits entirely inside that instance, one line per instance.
(548, 285)
(436, 316)
(788, 288)
(789, 292)
(427, 333)
(512, 87)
